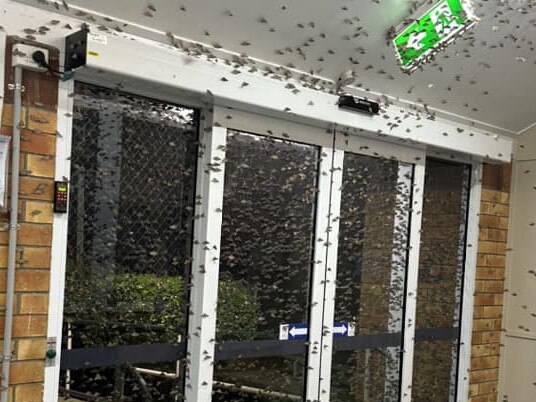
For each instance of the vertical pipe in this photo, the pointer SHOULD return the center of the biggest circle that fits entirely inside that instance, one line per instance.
(13, 229)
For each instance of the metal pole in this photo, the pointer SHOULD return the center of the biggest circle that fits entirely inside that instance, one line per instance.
(13, 228)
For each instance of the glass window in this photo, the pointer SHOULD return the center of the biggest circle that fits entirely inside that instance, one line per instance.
(371, 273)
(441, 269)
(265, 267)
(133, 171)
(132, 196)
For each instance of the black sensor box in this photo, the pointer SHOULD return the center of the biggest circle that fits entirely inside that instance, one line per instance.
(354, 104)
(75, 50)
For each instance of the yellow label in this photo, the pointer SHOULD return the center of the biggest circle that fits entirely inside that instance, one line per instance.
(92, 53)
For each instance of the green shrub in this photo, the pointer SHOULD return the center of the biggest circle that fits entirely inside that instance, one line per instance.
(107, 310)
(238, 312)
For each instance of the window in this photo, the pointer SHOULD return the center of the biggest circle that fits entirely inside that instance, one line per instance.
(265, 267)
(371, 273)
(441, 269)
(133, 172)
(312, 279)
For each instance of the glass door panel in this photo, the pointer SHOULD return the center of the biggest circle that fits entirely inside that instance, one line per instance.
(441, 270)
(265, 268)
(129, 245)
(130, 252)
(371, 272)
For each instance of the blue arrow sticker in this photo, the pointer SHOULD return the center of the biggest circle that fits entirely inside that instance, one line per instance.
(340, 329)
(288, 332)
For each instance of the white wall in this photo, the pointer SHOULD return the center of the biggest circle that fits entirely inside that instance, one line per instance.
(518, 357)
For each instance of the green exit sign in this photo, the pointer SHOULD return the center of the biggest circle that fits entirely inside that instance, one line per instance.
(440, 25)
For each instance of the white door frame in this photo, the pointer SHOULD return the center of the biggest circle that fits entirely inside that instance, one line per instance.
(468, 291)
(469, 274)
(408, 155)
(324, 242)
(58, 257)
(205, 261)
(200, 348)
(412, 281)
(323, 138)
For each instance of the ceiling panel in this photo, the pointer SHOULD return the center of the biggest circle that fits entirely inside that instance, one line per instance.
(488, 75)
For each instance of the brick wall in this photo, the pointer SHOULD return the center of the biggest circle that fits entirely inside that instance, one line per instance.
(490, 274)
(38, 139)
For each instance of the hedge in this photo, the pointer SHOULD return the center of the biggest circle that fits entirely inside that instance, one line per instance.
(108, 310)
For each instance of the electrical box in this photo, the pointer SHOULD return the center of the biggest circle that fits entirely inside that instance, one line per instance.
(76, 50)
(61, 194)
(22, 57)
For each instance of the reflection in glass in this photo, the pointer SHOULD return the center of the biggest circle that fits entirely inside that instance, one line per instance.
(441, 269)
(130, 223)
(265, 264)
(371, 271)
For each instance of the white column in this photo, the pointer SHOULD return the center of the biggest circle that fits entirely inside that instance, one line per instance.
(319, 275)
(412, 280)
(469, 283)
(398, 273)
(59, 238)
(331, 275)
(205, 263)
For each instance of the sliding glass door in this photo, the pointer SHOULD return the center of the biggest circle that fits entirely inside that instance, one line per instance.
(441, 280)
(265, 268)
(133, 170)
(337, 276)
(371, 275)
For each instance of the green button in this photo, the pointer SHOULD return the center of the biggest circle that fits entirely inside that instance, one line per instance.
(50, 354)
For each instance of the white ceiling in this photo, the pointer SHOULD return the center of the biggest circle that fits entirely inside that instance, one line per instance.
(488, 76)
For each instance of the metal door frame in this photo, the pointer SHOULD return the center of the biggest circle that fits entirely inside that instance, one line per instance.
(234, 119)
(200, 346)
(345, 142)
(326, 233)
